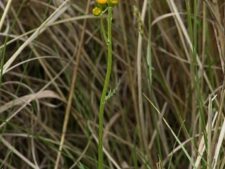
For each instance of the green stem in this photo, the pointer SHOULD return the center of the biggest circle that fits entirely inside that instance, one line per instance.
(105, 88)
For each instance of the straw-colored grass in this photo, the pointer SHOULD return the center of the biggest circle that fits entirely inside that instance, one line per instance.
(164, 106)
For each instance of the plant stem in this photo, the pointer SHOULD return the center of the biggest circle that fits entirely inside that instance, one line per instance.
(105, 87)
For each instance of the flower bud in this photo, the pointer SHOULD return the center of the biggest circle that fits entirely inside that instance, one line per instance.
(113, 2)
(96, 11)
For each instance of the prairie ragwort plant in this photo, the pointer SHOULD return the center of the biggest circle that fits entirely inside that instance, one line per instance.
(100, 8)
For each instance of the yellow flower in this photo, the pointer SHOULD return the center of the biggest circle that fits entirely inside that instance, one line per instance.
(101, 1)
(96, 11)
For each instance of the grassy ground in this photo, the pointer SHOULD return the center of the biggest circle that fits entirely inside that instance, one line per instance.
(166, 106)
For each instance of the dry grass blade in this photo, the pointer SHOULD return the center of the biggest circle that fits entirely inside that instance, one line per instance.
(55, 15)
(29, 98)
(202, 146)
(5, 13)
(219, 145)
(139, 77)
(175, 136)
(71, 93)
(15, 151)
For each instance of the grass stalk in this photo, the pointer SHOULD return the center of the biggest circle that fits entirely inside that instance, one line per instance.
(71, 95)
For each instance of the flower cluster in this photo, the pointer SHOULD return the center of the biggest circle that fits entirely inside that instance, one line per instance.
(101, 5)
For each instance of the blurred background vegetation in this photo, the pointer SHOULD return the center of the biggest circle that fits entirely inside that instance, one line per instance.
(166, 108)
